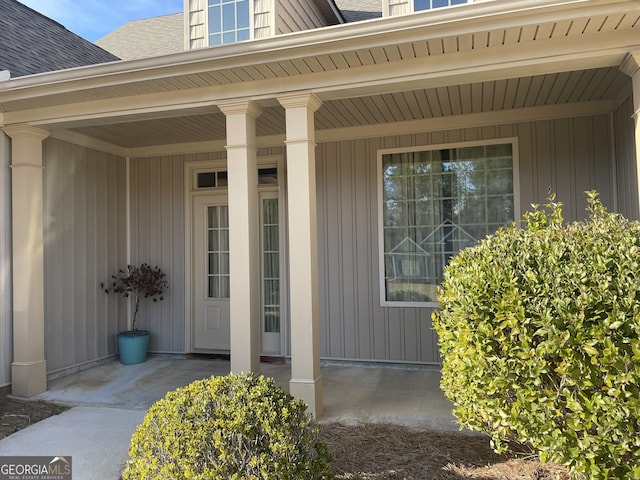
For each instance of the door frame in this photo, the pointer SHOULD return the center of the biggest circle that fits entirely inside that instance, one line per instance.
(191, 169)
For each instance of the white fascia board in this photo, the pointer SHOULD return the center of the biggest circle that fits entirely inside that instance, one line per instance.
(473, 17)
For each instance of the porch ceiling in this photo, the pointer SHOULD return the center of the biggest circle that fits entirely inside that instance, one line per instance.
(470, 59)
(593, 85)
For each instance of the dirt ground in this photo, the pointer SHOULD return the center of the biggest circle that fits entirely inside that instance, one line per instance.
(17, 414)
(369, 452)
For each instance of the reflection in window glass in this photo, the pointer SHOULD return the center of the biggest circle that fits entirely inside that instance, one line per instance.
(435, 203)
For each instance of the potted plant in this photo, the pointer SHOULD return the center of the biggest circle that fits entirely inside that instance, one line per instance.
(138, 282)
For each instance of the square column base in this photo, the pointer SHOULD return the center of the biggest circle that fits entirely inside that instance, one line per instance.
(28, 378)
(309, 391)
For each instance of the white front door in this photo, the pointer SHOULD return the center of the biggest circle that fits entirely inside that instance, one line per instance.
(210, 281)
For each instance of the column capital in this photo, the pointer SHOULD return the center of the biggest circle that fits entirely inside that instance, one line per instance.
(249, 107)
(16, 131)
(308, 100)
(631, 63)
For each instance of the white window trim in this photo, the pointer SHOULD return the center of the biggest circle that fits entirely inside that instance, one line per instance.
(420, 148)
(251, 22)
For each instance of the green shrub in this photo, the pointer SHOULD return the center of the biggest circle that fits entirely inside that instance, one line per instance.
(539, 331)
(231, 427)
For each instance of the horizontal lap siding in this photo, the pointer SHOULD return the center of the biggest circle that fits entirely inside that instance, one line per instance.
(6, 319)
(85, 242)
(570, 156)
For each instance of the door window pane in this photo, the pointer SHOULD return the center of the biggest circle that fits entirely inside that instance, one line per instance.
(435, 203)
(218, 252)
(271, 266)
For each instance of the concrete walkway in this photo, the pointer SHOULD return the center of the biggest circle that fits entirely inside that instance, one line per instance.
(111, 399)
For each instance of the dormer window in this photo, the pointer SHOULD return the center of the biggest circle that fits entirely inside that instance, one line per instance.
(228, 21)
(429, 4)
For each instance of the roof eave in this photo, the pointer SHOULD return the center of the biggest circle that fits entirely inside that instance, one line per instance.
(311, 42)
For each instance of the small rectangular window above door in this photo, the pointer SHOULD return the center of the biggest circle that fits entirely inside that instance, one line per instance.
(210, 179)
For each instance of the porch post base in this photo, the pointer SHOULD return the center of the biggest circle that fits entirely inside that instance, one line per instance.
(28, 378)
(310, 391)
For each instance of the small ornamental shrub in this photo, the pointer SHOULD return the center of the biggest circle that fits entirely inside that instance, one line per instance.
(539, 334)
(139, 282)
(227, 428)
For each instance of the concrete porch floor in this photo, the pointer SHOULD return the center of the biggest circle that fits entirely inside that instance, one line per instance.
(110, 400)
(408, 396)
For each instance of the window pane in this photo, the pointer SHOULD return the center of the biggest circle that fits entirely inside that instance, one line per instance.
(206, 180)
(214, 287)
(224, 216)
(421, 5)
(272, 319)
(212, 214)
(436, 203)
(228, 17)
(243, 35)
(224, 287)
(242, 9)
(215, 20)
(224, 263)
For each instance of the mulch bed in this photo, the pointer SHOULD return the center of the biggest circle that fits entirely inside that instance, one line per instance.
(382, 451)
(18, 414)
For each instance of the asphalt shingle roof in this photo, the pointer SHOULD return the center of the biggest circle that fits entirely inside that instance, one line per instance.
(359, 10)
(32, 43)
(146, 37)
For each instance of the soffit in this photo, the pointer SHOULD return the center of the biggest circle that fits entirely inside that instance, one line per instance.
(574, 87)
(422, 41)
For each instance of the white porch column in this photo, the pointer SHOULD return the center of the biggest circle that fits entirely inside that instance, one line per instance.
(631, 66)
(244, 246)
(29, 368)
(306, 379)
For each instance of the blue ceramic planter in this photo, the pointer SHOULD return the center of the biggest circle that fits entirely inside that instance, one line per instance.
(132, 346)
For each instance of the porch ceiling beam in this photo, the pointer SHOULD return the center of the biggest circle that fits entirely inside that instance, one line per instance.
(474, 120)
(540, 57)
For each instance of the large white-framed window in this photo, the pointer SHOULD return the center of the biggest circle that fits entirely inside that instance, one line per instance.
(229, 21)
(433, 202)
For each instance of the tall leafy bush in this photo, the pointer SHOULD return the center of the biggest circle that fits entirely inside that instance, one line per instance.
(228, 428)
(539, 333)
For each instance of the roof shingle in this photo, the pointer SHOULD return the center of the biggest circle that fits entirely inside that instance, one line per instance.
(146, 37)
(32, 43)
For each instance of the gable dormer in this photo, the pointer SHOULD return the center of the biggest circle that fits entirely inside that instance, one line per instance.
(219, 22)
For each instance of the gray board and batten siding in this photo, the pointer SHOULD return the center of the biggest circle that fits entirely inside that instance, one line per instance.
(85, 223)
(626, 165)
(570, 155)
(87, 193)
